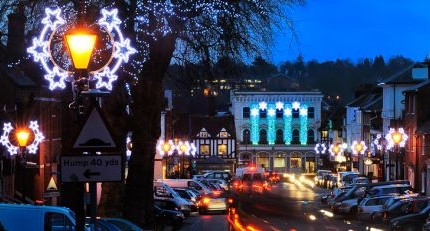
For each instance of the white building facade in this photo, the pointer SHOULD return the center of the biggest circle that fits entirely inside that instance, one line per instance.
(277, 130)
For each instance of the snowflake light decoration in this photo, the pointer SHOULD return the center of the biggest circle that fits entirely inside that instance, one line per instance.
(163, 146)
(56, 75)
(378, 142)
(320, 148)
(358, 147)
(393, 135)
(296, 105)
(336, 149)
(279, 105)
(262, 106)
(12, 149)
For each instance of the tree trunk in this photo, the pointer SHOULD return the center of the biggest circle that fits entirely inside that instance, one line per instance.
(146, 107)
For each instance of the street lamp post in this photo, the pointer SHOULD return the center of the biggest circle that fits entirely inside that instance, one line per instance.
(80, 42)
(396, 139)
(20, 141)
(336, 151)
(358, 149)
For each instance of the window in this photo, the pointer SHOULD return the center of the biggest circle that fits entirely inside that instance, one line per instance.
(279, 136)
(263, 114)
(279, 113)
(223, 134)
(222, 149)
(311, 137)
(204, 149)
(324, 134)
(296, 137)
(57, 222)
(311, 112)
(246, 112)
(203, 134)
(246, 137)
(263, 137)
(296, 113)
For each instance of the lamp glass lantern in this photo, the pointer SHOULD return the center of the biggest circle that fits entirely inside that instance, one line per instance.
(80, 44)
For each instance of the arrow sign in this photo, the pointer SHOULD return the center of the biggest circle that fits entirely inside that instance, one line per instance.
(91, 168)
(88, 173)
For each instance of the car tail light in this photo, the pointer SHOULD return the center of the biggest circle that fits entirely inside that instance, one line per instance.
(216, 193)
(230, 200)
(206, 200)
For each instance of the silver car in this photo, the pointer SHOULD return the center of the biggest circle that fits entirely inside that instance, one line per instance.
(369, 207)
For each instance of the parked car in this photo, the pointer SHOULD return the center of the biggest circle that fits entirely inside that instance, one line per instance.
(360, 180)
(332, 182)
(122, 224)
(370, 206)
(36, 218)
(100, 225)
(185, 194)
(413, 221)
(404, 207)
(379, 216)
(219, 175)
(220, 182)
(320, 174)
(168, 217)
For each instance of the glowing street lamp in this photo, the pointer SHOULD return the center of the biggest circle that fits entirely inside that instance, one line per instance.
(182, 148)
(358, 147)
(396, 138)
(336, 149)
(81, 45)
(22, 138)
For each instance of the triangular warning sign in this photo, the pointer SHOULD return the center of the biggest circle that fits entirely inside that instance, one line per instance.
(52, 186)
(95, 134)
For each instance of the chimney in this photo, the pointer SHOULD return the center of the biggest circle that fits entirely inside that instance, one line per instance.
(15, 38)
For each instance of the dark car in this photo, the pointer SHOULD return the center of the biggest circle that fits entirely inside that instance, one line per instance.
(413, 221)
(404, 207)
(100, 225)
(168, 217)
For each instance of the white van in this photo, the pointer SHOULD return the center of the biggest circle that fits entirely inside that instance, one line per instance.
(36, 217)
(164, 192)
(187, 183)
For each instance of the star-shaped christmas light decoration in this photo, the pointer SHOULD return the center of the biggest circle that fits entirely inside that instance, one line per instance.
(39, 50)
(56, 75)
(53, 18)
(105, 79)
(124, 50)
(56, 78)
(12, 149)
(296, 105)
(110, 19)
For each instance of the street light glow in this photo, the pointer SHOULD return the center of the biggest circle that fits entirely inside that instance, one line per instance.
(22, 136)
(81, 46)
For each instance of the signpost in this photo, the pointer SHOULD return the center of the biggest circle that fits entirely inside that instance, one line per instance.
(91, 168)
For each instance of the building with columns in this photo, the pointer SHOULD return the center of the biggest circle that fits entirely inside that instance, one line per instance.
(277, 130)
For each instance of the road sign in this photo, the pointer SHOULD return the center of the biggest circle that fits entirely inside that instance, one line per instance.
(51, 194)
(95, 134)
(91, 168)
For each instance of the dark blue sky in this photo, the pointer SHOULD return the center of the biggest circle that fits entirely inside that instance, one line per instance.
(355, 29)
